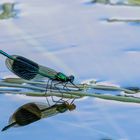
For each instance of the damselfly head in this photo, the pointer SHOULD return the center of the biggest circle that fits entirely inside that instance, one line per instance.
(71, 78)
(71, 107)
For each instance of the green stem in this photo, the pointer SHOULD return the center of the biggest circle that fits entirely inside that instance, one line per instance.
(3, 84)
(81, 86)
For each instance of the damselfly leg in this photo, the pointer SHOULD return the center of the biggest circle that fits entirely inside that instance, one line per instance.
(56, 88)
(52, 87)
(63, 90)
(46, 93)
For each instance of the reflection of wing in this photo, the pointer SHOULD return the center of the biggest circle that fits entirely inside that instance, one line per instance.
(28, 69)
(49, 112)
(30, 113)
(26, 114)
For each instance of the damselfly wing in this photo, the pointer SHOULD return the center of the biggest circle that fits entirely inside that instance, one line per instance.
(28, 69)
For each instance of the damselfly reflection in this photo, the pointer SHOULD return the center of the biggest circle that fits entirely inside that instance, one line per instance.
(32, 112)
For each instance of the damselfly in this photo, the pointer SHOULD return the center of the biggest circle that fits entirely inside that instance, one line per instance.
(30, 70)
(32, 112)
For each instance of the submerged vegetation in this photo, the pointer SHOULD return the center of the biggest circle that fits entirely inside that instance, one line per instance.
(7, 11)
(117, 2)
